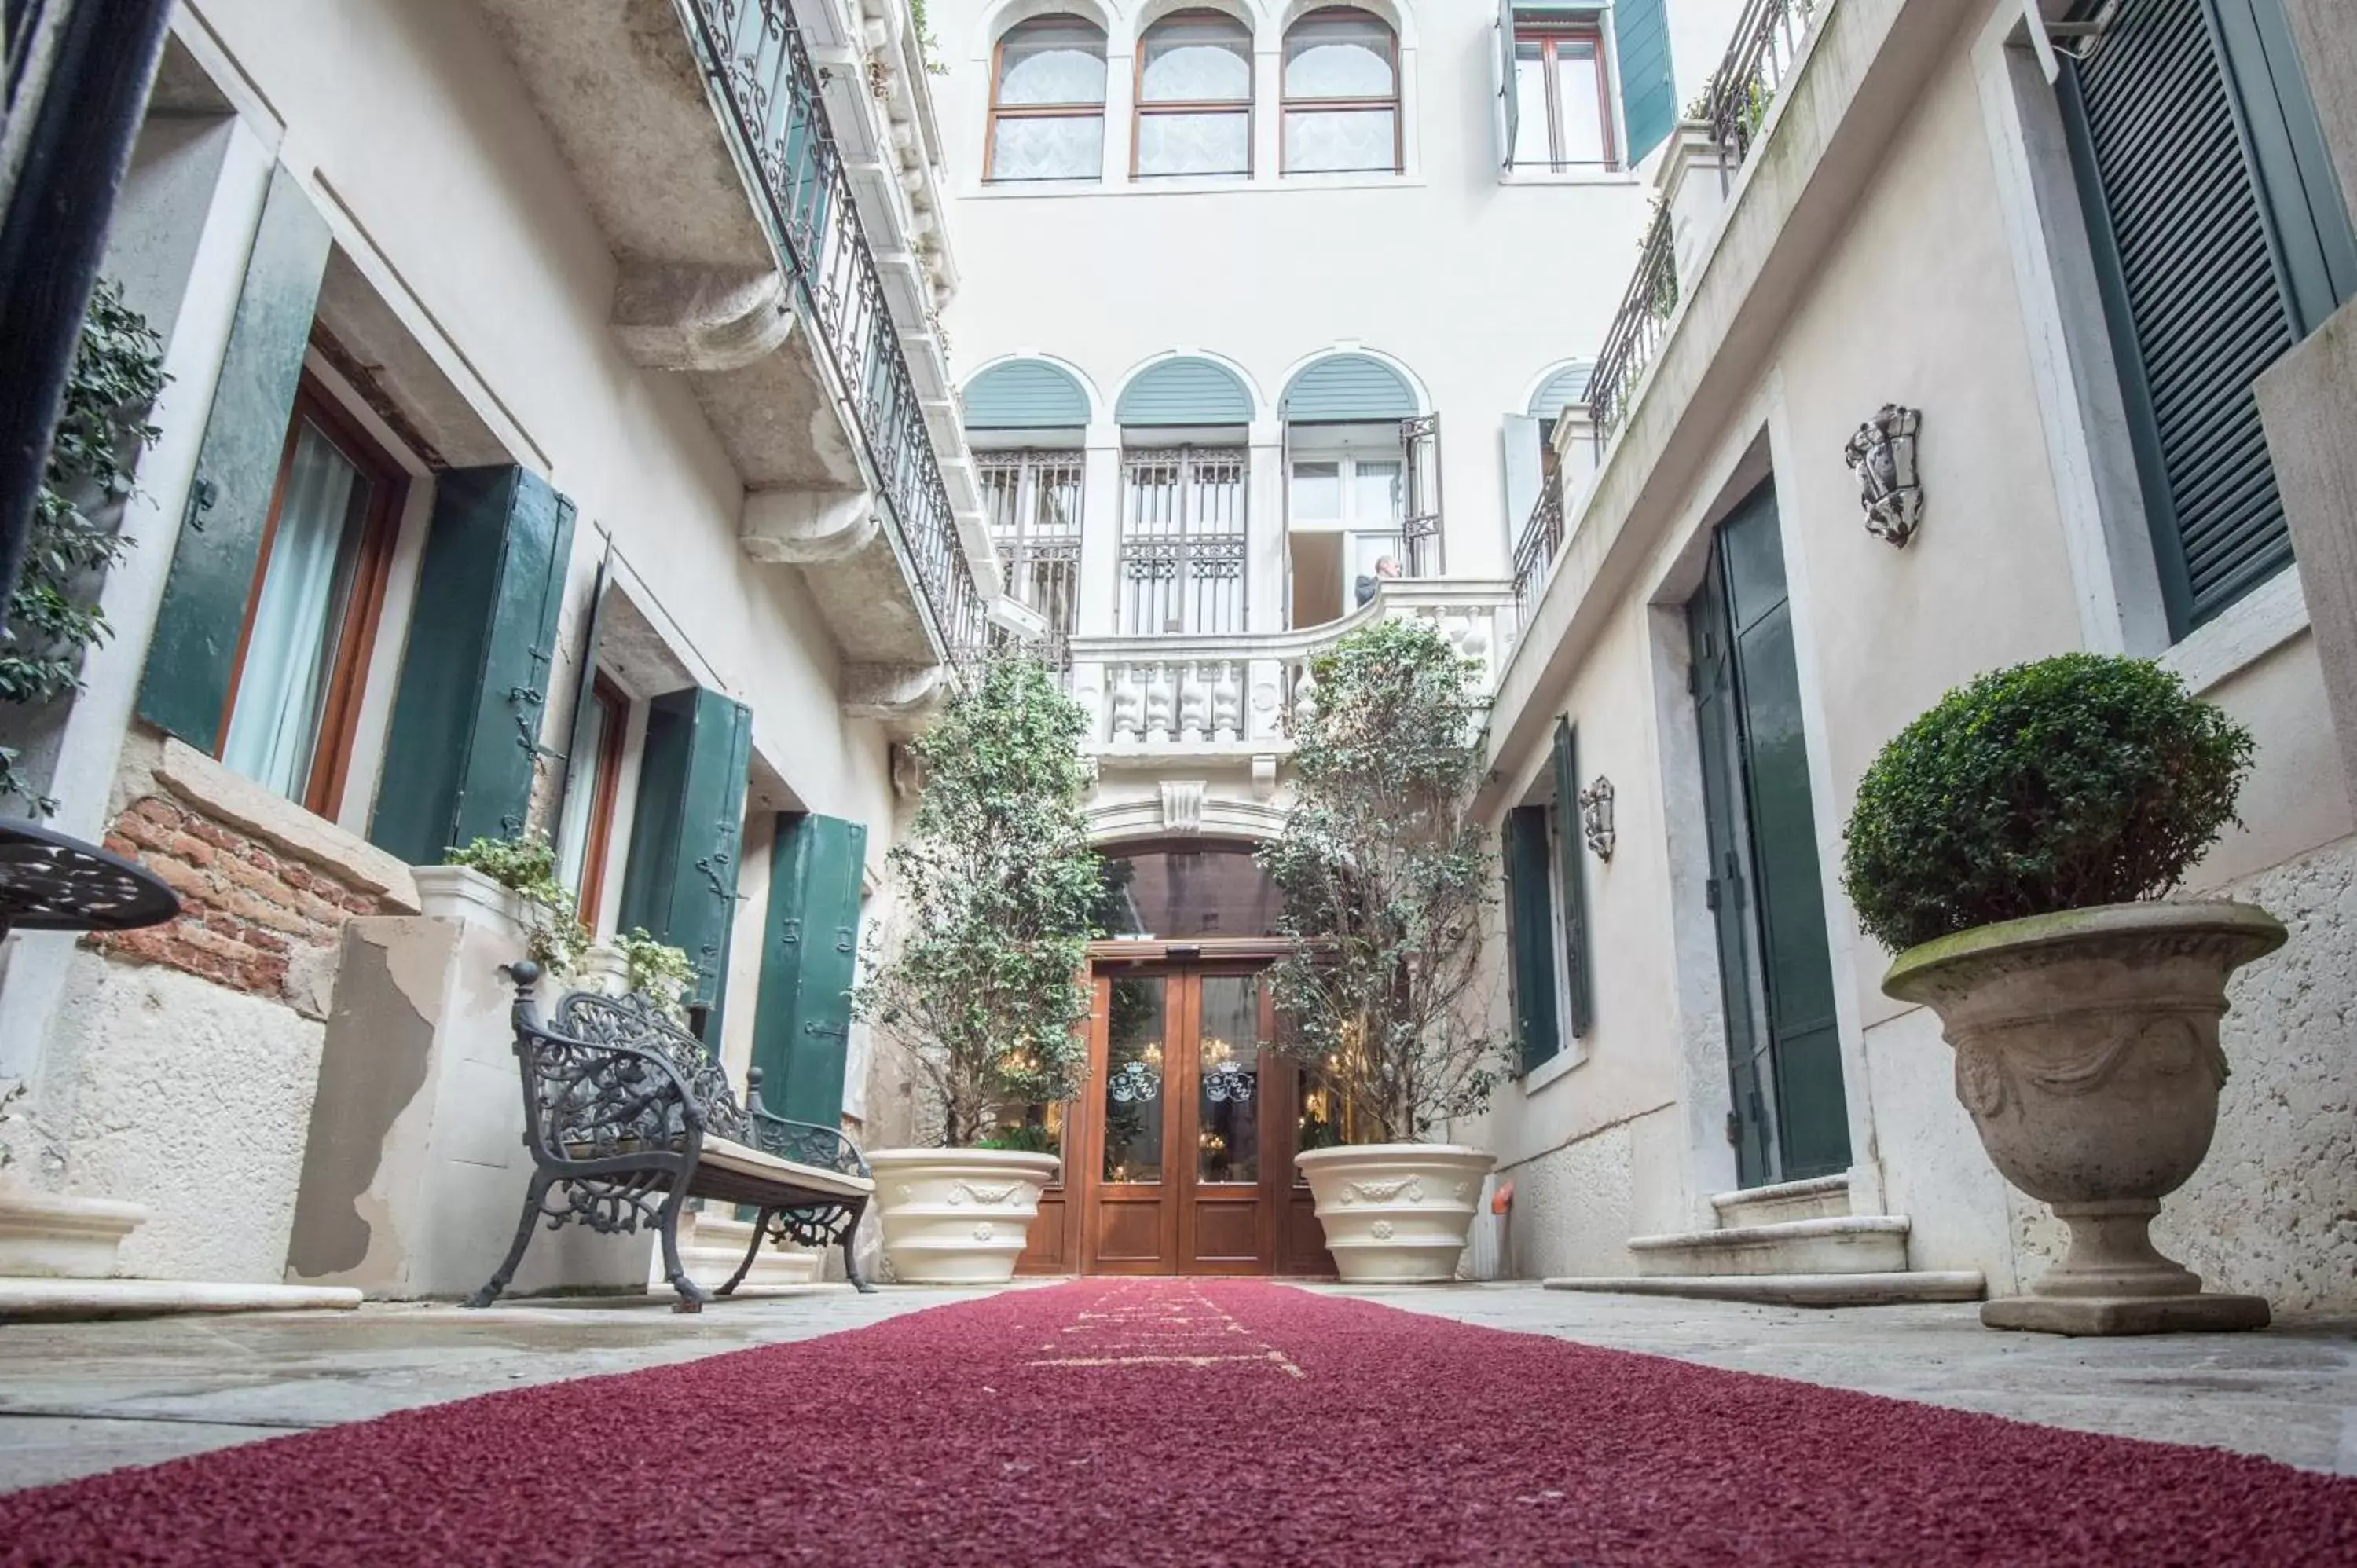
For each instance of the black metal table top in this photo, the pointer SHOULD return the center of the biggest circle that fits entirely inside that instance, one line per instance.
(52, 883)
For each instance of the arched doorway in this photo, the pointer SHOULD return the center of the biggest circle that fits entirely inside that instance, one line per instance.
(1179, 1153)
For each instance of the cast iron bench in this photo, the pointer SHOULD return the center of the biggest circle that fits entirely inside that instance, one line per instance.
(627, 1116)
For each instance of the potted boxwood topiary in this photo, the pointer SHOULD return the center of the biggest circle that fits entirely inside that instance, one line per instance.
(2011, 846)
(981, 977)
(1386, 875)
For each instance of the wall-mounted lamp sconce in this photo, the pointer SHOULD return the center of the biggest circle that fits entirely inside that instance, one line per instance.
(1882, 453)
(1596, 817)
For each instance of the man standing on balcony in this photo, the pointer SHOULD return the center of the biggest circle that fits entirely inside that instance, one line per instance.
(1387, 568)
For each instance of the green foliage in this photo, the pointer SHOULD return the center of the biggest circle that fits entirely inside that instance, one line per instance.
(1024, 1138)
(981, 976)
(655, 970)
(2062, 784)
(53, 615)
(527, 865)
(1386, 876)
(929, 48)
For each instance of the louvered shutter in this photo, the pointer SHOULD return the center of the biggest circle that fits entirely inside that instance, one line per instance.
(2197, 269)
(681, 885)
(1525, 471)
(459, 760)
(193, 655)
(1510, 109)
(1572, 872)
(1649, 92)
(1530, 934)
(801, 1030)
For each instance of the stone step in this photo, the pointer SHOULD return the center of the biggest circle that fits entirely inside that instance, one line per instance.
(1818, 1198)
(46, 1297)
(1853, 1244)
(711, 1245)
(1795, 1290)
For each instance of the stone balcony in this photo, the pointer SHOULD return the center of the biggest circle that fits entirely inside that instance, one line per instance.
(767, 176)
(1233, 700)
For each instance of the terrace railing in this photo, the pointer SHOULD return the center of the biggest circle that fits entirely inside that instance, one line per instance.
(760, 77)
(1638, 328)
(1534, 551)
(1767, 41)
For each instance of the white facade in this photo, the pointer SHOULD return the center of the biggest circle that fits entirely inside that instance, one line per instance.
(489, 297)
(1905, 231)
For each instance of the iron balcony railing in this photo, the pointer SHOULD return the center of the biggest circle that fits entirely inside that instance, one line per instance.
(1534, 551)
(760, 77)
(1638, 328)
(1767, 41)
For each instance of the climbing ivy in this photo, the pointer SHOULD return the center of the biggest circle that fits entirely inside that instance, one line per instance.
(53, 615)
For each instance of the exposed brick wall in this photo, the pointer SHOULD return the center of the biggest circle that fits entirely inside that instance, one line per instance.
(248, 912)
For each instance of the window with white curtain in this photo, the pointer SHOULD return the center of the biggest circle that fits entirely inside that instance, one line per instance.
(312, 614)
(1194, 96)
(1047, 101)
(1565, 97)
(1341, 94)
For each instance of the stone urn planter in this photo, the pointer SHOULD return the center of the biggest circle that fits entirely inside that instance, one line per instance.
(1396, 1213)
(2087, 1053)
(957, 1217)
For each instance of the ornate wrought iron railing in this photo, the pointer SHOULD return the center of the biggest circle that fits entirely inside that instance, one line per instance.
(1767, 41)
(1638, 328)
(760, 77)
(1534, 551)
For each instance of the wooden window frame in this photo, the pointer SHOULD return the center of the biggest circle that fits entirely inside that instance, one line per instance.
(1548, 36)
(999, 112)
(1287, 105)
(605, 787)
(1140, 108)
(331, 751)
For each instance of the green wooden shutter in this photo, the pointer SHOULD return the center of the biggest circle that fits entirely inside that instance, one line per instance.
(681, 884)
(1184, 392)
(2217, 248)
(1649, 92)
(1025, 394)
(801, 1030)
(1530, 934)
(191, 660)
(473, 677)
(1571, 869)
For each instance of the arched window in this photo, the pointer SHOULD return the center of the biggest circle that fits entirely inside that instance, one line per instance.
(1047, 101)
(1194, 96)
(1341, 94)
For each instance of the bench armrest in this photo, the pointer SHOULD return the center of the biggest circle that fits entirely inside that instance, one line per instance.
(807, 1144)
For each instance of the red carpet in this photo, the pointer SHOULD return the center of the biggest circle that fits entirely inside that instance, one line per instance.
(1175, 1423)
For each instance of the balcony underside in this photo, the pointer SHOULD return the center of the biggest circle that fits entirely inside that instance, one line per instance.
(700, 295)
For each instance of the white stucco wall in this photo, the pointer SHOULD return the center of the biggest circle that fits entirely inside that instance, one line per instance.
(1918, 299)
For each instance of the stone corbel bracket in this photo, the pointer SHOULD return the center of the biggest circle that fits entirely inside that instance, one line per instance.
(893, 694)
(682, 317)
(806, 528)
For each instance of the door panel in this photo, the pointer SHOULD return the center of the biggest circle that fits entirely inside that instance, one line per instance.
(1133, 1224)
(1792, 1119)
(1223, 1226)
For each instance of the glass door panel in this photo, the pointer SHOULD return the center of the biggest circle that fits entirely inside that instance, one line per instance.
(1227, 1083)
(1135, 1027)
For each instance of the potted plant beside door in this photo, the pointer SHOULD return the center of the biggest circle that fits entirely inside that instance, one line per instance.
(1386, 878)
(2013, 846)
(979, 976)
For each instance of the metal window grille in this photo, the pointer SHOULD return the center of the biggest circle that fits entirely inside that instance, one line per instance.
(1033, 502)
(1182, 540)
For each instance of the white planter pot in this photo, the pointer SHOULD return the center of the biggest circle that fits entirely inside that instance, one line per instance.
(45, 1235)
(1396, 1213)
(603, 969)
(957, 1217)
(462, 893)
(2087, 1053)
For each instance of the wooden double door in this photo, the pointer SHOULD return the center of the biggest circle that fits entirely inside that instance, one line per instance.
(1178, 1155)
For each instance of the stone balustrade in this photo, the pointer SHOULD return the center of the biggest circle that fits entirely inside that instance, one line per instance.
(1241, 694)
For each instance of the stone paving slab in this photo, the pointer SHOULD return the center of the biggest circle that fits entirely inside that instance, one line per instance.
(78, 1397)
(2288, 1392)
